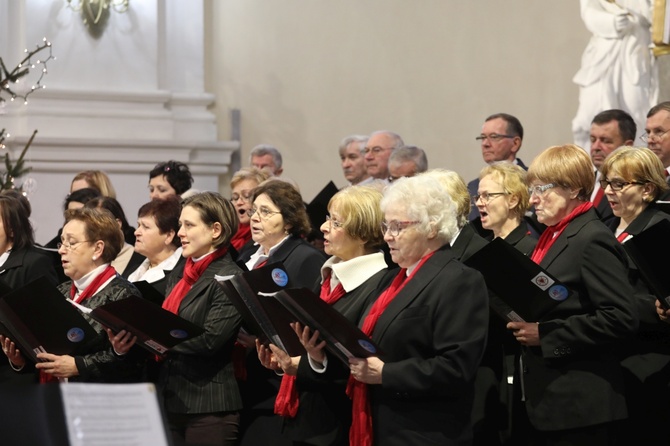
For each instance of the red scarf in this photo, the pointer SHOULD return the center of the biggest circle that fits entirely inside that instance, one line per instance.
(92, 287)
(552, 233)
(287, 401)
(360, 433)
(241, 237)
(192, 272)
(89, 291)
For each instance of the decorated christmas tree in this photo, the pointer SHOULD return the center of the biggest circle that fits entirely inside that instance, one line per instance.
(8, 91)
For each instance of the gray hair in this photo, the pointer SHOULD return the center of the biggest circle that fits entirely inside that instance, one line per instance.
(267, 149)
(424, 200)
(410, 153)
(397, 140)
(360, 139)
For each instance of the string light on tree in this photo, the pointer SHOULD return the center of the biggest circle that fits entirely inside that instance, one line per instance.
(10, 78)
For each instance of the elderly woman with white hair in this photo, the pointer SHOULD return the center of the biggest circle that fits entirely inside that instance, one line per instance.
(430, 324)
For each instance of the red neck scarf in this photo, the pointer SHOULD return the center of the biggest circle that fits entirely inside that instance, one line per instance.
(241, 237)
(287, 401)
(550, 234)
(360, 433)
(621, 237)
(92, 287)
(192, 272)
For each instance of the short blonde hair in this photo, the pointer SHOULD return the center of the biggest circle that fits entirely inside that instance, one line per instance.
(566, 166)
(637, 164)
(213, 208)
(513, 180)
(361, 214)
(457, 190)
(249, 173)
(98, 180)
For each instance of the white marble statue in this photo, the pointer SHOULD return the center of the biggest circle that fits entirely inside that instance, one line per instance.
(618, 69)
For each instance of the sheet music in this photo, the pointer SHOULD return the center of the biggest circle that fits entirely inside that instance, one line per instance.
(113, 414)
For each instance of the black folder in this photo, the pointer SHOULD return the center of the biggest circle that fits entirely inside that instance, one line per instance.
(157, 329)
(149, 292)
(38, 318)
(648, 250)
(317, 209)
(343, 339)
(252, 293)
(521, 289)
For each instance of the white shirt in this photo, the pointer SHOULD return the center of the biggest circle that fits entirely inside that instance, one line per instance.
(354, 272)
(151, 275)
(259, 257)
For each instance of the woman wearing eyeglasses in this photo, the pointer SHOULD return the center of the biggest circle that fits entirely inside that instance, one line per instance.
(318, 412)
(502, 202)
(633, 178)
(430, 324)
(279, 222)
(570, 367)
(242, 186)
(90, 240)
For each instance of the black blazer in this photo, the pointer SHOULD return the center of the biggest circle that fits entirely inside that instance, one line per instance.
(432, 335)
(25, 265)
(521, 239)
(301, 260)
(197, 375)
(22, 267)
(467, 243)
(574, 370)
(654, 335)
(324, 414)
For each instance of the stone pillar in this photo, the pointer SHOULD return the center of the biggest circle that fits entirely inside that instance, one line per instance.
(119, 99)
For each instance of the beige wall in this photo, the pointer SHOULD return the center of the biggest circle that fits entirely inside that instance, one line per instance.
(306, 73)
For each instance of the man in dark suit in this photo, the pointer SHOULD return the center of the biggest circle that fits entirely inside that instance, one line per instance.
(610, 129)
(501, 138)
(657, 138)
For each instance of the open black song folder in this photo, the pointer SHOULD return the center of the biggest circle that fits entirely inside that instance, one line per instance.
(38, 318)
(522, 290)
(252, 293)
(80, 414)
(343, 338)
(648, 250)
(157, 329)
(149, 292)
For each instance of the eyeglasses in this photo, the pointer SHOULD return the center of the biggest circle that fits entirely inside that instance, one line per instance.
(333, 223)
(493, 137)
(395, 227)
(486, 197)
(616, 185)
(540, 190)
(70, 246)
(244, 197)
(653, 135)
(376, 150)
(263, 211)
